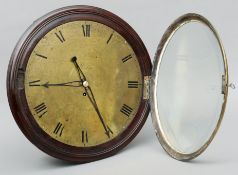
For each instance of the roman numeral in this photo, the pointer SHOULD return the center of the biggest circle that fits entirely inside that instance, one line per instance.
(59, 129)
(60, 36)
(84, 136)
(126, 110)
(35, 83)
(133, 84)
(41, 56)
(125, 59)
(40, 109)
(86, 30)
(110, 37)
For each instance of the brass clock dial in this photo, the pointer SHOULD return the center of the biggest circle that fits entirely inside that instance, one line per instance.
(77, 110)
(76, 83)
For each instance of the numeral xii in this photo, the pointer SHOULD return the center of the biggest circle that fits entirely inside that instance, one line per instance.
(86, 30)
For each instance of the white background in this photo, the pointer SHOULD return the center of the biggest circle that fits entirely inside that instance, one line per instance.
(144, 154)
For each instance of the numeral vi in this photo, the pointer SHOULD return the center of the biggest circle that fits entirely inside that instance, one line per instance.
(84, 136)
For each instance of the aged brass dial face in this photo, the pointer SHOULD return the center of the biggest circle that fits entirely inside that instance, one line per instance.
(83, 83)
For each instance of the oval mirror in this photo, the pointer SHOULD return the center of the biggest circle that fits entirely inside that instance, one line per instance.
(189, 87)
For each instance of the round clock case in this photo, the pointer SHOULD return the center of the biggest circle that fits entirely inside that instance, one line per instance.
(187, 89)
(17, 91)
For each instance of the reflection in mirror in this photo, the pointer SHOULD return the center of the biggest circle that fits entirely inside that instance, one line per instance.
(189, 87)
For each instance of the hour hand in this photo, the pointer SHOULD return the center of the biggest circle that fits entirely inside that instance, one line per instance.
(80, 72)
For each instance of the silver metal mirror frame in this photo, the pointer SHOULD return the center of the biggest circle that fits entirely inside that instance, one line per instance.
(153, 84)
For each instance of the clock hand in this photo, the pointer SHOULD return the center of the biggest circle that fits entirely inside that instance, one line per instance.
(80, 72)
(69, 84)
(93, 101)
(90, 94)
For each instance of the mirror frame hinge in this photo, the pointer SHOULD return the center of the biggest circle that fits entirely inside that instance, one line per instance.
(223, 84)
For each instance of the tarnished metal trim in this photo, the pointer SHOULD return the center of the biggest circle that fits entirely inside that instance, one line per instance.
(146, 87)
(223, 84)
(20, 79)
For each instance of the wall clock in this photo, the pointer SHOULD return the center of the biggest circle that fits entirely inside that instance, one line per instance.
(75, 83)
(78, 84)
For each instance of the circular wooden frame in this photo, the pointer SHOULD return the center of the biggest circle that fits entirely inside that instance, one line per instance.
(16, 91)
(154, 77)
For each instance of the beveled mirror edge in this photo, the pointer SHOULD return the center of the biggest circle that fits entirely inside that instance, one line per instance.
(153, 101)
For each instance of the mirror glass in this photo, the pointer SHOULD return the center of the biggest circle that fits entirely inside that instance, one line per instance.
(189, 87)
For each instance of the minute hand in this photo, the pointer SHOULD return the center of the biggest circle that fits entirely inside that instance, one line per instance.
(89, 93)
(93, 101)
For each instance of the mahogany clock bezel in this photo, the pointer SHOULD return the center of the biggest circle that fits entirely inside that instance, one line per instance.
(16, 92)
